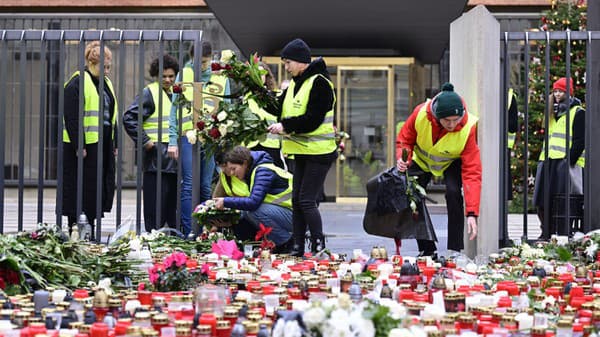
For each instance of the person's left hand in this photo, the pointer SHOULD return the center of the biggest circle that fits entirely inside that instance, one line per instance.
(219, 203)
(472, 227)
(276, 128)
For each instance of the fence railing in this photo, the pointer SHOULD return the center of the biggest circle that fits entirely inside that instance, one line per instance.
(544, 50)
(34, 65)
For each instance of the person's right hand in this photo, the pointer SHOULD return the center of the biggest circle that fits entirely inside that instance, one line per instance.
(401, 165)
(148, 146)
(173, 152)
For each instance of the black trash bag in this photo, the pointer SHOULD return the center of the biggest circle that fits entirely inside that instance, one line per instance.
(388, 211)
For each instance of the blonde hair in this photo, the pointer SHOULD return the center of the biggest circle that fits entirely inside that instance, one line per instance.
(92, 53)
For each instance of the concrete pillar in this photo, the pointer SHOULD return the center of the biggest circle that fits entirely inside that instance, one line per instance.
(475, 73)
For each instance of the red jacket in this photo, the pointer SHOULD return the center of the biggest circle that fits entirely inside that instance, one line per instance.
(471, 160)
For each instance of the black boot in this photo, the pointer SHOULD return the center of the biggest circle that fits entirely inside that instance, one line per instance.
(284, 248)
(297, 247)
(317, 244)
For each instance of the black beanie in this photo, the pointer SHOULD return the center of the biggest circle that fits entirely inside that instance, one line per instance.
(448, 103)
(296, 50)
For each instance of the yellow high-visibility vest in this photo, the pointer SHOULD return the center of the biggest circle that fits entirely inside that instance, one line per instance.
(557, 135)
(91, 109)
(273, 141)
(437, 158)
(238, 188)
(151, 124)
(319, 141)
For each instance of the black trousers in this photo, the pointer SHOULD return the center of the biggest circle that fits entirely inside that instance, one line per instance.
(168, 200)
(454, 205)
(309, 178)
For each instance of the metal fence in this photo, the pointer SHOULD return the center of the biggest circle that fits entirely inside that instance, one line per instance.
(529, 43)
(34, 65)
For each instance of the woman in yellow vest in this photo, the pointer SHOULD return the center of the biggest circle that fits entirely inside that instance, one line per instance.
(558, 169)
(442, 138)
(91, 128)
(263, 191)
(155, 117)
(306, 114)
(271, 145)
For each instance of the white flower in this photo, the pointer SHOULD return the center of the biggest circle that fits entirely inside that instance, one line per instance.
(361, 326)
(550, 300)
(191, 136)
(400, 332)
(313, 317)
(397, 310)
(337, 327)
(591, 250)
(226, 55)
(340, 315)
(222, 115)
(222, 129)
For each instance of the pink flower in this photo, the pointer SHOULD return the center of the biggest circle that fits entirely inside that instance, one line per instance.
(175, 260)
(227, 248)
(141, 286)
(205, 268)
(153, 274)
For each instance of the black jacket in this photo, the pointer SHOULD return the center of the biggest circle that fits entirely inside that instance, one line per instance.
(130, 124)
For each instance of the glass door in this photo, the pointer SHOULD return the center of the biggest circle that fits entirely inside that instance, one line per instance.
(365, 96)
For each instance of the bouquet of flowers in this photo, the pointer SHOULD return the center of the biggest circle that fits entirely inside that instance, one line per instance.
(206, 213)
(248, 78)
(176, 273)
(340, 317)
(234, 124)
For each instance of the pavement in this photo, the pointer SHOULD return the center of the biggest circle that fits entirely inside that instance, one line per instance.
(342, 222)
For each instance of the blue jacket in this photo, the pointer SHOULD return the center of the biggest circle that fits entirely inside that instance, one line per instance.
(266, 182)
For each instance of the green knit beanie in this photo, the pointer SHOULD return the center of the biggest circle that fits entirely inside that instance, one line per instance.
(448, 103)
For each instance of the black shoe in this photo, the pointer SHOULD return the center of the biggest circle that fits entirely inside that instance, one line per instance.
(433, 255)
(317, 245)
(297, 250)
(284, 248)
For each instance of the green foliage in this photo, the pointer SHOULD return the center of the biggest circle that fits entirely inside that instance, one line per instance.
(564, 15)
(382, 319)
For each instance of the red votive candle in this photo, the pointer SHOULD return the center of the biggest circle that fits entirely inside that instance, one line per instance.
(99, 329)
(209, 319)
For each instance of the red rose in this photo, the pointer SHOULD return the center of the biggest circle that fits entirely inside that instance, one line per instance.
(177, 89)
(214, 133)
(200, 125)
(214, 117)
(215, 66)
(227, 67)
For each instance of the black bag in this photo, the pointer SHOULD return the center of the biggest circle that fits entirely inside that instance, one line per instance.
(388, 211)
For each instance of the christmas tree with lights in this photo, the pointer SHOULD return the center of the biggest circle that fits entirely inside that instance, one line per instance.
(564, 15)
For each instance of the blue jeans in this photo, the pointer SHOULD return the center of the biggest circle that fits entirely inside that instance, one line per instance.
(277, 217)
(208, 169)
